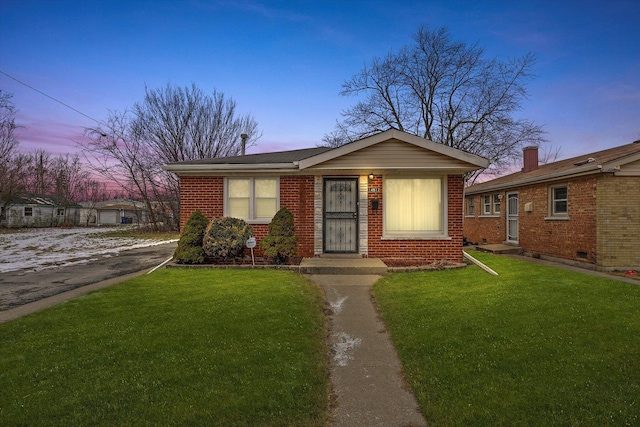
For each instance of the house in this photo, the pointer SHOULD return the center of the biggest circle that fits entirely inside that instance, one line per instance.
(34, 210)
(393, 196)
(114, 212)
(585, 209)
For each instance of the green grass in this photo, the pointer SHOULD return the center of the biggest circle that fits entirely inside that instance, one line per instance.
(177, 347)
(535, 346)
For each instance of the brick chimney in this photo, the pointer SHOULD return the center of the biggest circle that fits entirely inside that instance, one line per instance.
(530, 159)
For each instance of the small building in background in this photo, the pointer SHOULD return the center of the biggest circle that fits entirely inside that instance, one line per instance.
(113, 212)
(34, 210)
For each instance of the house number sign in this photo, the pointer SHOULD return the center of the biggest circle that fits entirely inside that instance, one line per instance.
(374, 190)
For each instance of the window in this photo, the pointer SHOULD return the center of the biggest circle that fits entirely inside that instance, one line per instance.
(413, 207)
(251, 198)
(490, 204)
(28, 211)
(486, 205)
(471, 208)
(496, 204)
(60, 212)
(558, 201)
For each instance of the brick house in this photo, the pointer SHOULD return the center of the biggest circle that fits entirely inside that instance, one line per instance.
(585, 209)
(393, 196)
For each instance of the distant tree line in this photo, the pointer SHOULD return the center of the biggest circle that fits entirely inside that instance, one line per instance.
(40, 172)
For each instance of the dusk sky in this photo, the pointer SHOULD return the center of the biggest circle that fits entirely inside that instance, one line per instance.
(285, 61)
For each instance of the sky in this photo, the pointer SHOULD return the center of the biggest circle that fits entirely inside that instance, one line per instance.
(284, 62)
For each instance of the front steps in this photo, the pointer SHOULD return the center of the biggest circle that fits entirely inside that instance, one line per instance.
(343, 265)
(500, 249)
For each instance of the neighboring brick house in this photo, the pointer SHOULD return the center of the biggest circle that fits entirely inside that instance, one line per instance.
(393, 196)
(585, 209)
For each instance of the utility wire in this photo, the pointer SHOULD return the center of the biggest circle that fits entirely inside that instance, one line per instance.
(53, 99)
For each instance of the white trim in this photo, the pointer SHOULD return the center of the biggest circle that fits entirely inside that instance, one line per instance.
(250, 220)
(441, 234)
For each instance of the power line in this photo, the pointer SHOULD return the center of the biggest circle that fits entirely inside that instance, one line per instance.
(53, 99)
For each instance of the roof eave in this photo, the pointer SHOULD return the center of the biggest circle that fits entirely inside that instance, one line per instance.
(593, 169)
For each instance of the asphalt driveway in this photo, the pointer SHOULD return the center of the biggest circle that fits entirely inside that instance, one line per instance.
(20, 287)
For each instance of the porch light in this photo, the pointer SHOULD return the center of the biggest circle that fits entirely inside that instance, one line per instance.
(370, 177)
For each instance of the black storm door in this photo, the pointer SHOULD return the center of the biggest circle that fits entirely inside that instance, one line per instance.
(341, 215)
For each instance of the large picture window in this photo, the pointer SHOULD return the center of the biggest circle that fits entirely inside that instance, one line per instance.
(413, 207)
(252, 199)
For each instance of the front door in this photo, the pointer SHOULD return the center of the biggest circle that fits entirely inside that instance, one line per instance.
(512, 217)
(341, 215)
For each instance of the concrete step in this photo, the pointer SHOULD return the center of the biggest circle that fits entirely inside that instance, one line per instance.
(342, 265)
(500, 249)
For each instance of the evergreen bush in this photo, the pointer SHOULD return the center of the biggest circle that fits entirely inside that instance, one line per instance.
(189, 249)
(225, 238)
(281, 242)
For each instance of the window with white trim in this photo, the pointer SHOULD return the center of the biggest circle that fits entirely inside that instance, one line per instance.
(490, 204)
(496, 204)
(413, 207)
(558, 201)
(471, 208)
(486, 205)
(251, 199)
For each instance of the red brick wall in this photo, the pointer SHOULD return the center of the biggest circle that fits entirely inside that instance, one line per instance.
(541, 236)
(485, 229)
(560, 238)
(206, 193)
(418, 251)
(203, 193)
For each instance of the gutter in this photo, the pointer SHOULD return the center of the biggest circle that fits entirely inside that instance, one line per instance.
(224, 167)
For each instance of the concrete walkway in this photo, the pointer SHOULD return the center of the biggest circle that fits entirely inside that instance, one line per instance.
(368, 383)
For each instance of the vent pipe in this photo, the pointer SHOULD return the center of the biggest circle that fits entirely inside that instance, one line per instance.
(244, 137)
(530, 159)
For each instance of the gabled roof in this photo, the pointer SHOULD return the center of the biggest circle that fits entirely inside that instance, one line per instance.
(610, 160)
(422, 154)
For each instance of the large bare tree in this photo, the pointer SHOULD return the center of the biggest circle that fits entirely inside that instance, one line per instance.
(171, 124)
(445, 91)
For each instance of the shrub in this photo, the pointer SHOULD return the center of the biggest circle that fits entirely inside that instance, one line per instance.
(225, 238)
(280, 243)
(189, 249)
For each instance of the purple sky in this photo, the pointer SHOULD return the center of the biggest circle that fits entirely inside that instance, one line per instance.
(284, 61)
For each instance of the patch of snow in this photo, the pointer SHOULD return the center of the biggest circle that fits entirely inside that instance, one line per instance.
(38, 249)
(338, 304)
(343, 348)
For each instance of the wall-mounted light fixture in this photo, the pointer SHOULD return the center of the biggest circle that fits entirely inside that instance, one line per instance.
(371, 177)
(499, 196)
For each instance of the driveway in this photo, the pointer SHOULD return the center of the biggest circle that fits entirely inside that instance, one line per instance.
(36, 264)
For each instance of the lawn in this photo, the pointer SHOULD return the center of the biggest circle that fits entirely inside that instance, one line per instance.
(535, 346)
(177, 347)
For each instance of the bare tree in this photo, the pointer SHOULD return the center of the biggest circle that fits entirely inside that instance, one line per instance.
(171, 124)
(118, 154)
(13, 165)
(445, 91)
